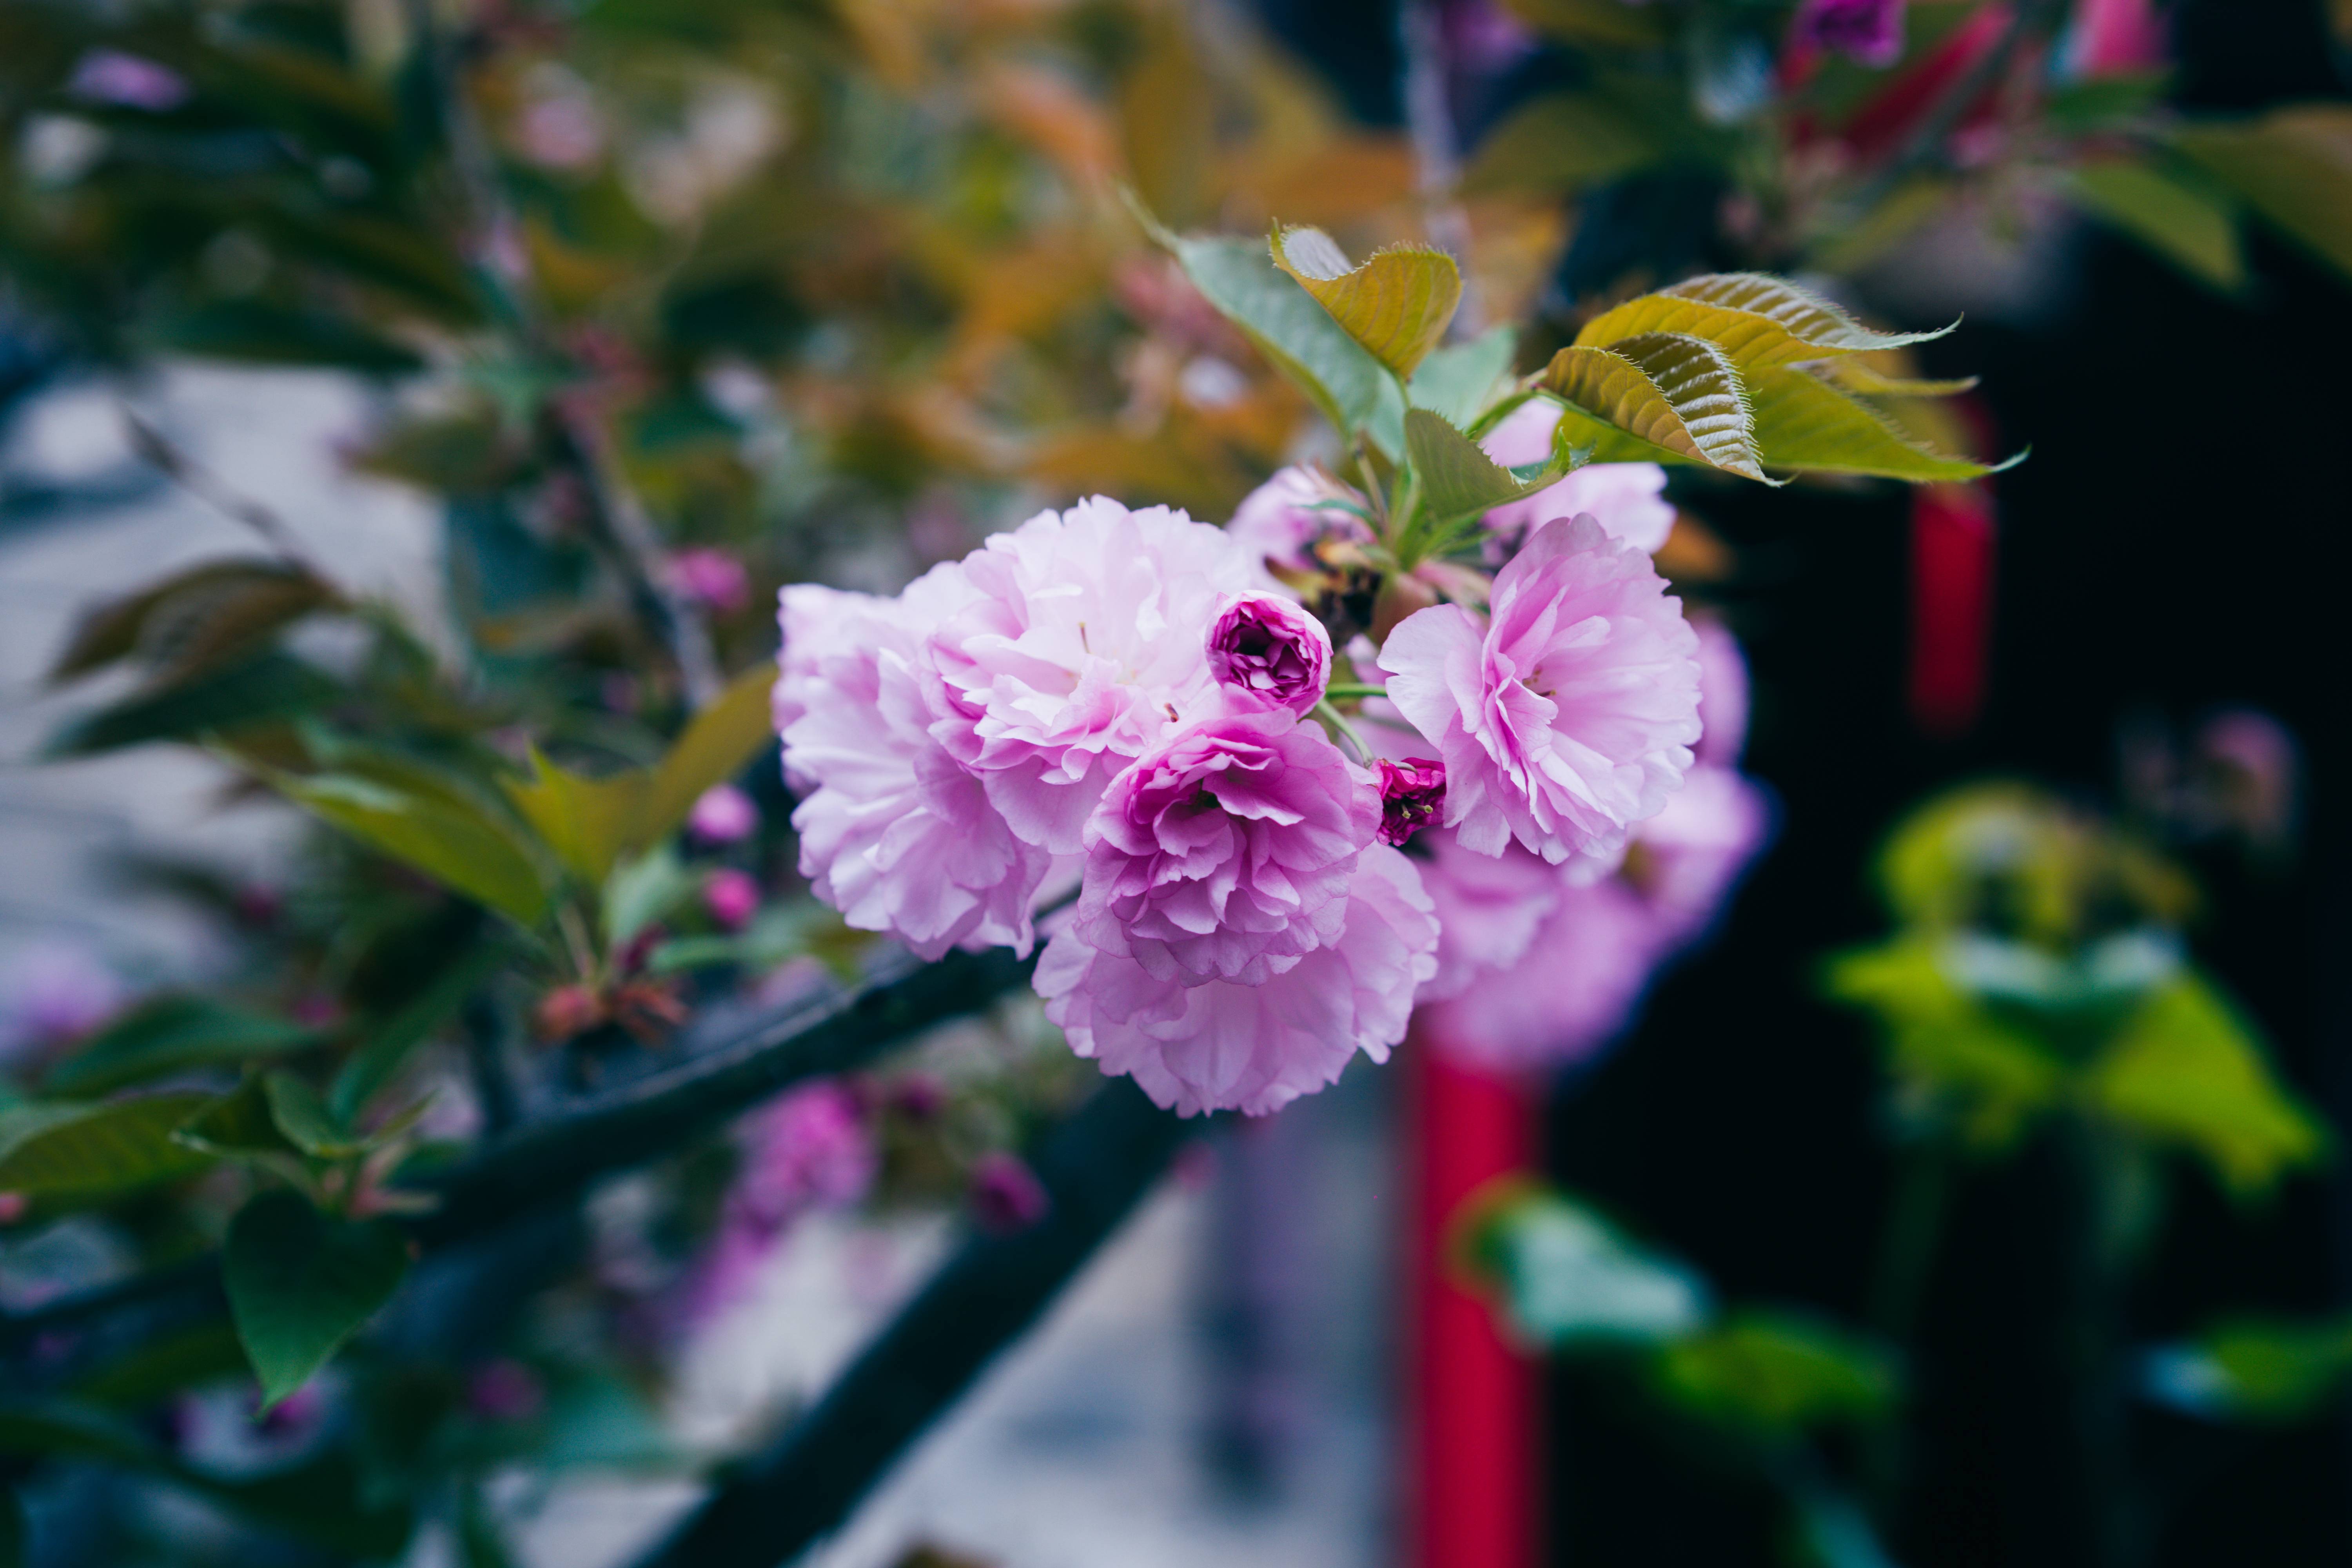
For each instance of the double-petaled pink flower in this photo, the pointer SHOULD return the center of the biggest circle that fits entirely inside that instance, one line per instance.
(1566, 713)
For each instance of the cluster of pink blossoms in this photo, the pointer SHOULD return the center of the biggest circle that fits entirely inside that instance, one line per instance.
(1138, 702)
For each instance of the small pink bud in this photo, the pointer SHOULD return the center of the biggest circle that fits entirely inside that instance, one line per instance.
(1005, 1193)
(732, 898)
(723, 815)
(1272, 649)
(711, 578)
(1412, 794)
(13, 1207)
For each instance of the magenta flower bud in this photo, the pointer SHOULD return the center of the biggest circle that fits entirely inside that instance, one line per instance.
(712, 579)
(722, 814)
(731, 896)
(1272, 649)
(1411, 795)
(1005, 1193)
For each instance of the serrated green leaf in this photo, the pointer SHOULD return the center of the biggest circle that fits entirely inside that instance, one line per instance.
(301, 1283)
(261, 690)
(2190, 227)
(82, 1152)
(1860, 375)
(1459, 479)
(1805, 425)
(1457, 382)
(462, 847)
(587, 822)
(2185, 1069)
(1953, 1058)
(1297, 335)
(172, 1033)
(2293, 166)
(193, 619)
(1775, 1374)
(722, 738)
(1756, 320)
(1679, 396)
(1561, 142)
(1397, 304)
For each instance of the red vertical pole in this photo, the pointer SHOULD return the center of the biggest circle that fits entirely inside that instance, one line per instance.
(1953, 541)
(1473, 1400)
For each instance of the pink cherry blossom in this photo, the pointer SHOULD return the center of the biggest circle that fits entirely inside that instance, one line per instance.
(1267, 651)
(1685, 860)
(1572, 990)
(894, 833)
(711, 578)
(1566, 714)
(1222, 1045)
(1628, 499)
(1227, 854)
(1488, 907)
(732, 895)
(1279, 521)
(1082, 643)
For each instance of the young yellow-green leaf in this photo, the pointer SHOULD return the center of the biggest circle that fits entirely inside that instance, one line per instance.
(1756, 320)
(1956, 1059)
(1397, 304)
(1680, 395)
(1804, 424)
(2188, 227)
(1775, 1374)
(1858, 374)
(2294, 166)
(2184, 1069)
(301, 1283)
(587, 822)
(1458, 478)
(721, 739)
(1459, 381)
(169, 1035)
(461, 846)
(80, 1151)
(1297, 335)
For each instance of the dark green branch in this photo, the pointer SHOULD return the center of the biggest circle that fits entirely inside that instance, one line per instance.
(1095, 1168)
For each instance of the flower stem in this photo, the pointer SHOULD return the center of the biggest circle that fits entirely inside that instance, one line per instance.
(1349, 742)
(1342, 691)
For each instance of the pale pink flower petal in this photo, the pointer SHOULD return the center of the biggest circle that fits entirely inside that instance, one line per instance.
(1628, 499)
(1082, 645)
(1566, 714)
(1572, 990)
(894, 833)
(1489, 907)
(1223, 1045)
(1722, 694)
(1279, 522)
(1685, 860)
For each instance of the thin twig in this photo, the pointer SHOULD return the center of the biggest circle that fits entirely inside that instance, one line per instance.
(161, 452)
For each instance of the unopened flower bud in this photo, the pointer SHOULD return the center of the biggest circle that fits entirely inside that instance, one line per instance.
(1006, 1194)
(1412, 792)
(1272, 649)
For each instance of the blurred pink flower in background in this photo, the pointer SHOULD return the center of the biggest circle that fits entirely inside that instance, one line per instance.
(732, 895)
(810, 1149)
(1629, 500)
(128, 82)
(1572, 991)
(711, 578)
(1005, 1194)
(1867, 31)
(1566, 714)
(53, 991)
(723, 815)
(2115, 38)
